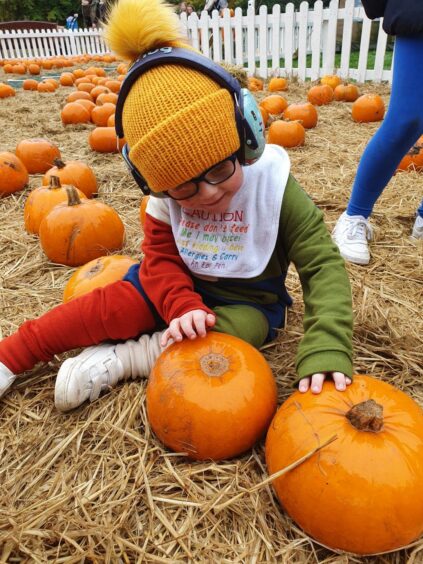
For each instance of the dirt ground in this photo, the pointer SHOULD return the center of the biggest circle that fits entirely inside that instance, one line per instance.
(96, 485)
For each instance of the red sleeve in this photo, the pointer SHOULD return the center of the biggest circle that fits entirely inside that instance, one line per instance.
(163, 274)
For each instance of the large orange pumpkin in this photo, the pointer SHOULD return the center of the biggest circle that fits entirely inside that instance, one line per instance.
(346, 93)
(96, 274)
(13, 174)
(42, 200)
(286, 133)
(105, 140)
(277, 83)
(367, 108)
(361, 493)
(274, 104)
(37, 154)
(211, 398)
(331, 80)
(6, 90)
(78, 231)
(72, 113)
(76, 173)
(306, 114)
(413, 160)
(320, 94)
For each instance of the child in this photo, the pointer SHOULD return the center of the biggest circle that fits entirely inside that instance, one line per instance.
(218, 236)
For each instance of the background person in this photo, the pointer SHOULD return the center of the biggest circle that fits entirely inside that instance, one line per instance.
(402, 126)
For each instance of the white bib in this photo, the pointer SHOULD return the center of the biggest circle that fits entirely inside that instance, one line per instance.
(239, 242)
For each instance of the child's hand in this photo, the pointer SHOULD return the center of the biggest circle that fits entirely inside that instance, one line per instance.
(191, 325)
(341, 382)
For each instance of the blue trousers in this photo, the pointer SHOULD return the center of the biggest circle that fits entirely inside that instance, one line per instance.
(402, 126)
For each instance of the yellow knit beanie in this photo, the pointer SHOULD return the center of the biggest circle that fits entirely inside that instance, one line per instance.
(177, 121)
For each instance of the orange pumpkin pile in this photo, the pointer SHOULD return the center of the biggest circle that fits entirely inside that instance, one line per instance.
(211, 398)
(362, 492)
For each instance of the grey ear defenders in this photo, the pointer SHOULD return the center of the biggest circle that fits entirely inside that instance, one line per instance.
(248, 118)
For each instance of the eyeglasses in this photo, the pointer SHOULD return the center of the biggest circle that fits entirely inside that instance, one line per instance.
(216, 174)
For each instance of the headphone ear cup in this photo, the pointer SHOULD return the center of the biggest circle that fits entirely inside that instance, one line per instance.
(253, 141)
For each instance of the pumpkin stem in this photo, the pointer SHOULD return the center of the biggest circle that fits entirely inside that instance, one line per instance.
(59, 163)
(54, 183)
(214, 364)
(366, 416)
(73, 196)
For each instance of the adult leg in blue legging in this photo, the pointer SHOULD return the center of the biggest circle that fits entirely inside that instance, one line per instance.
(402, 126)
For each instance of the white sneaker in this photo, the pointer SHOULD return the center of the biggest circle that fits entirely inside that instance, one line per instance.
(85, 376)
(417, 232)
(6, 379)
(351, 234)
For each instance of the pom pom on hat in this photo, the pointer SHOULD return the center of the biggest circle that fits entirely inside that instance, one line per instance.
(177, 121)
(137, 26)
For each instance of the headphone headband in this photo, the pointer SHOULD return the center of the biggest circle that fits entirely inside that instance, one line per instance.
(175, 56)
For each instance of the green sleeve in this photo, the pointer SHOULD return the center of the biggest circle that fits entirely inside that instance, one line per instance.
(327, 342)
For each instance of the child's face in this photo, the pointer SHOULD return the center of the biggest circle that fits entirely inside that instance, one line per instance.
(215, 197)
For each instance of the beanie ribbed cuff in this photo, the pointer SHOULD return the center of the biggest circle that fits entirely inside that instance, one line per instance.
(188, 142)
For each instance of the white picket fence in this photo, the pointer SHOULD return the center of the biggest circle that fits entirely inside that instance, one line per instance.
(293, 43)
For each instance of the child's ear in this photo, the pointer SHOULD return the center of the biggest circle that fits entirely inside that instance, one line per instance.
(238, 72)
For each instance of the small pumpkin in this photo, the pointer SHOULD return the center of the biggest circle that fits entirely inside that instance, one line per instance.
(13, 174)
(33, 68)
(274, 104)
(286, 133)
(306, 114)
(331, 80)
(368, 108)
(277, 83)
(73, 113)
(45, 87)
(42, 200)
(346, 93)
(30, 84)
(106, 98)
(361, 493)
(413, 160)
(105, 140)
(80, 230)
(37, 154)
(254, 84)
(6, 90)
(96, 274)
(66, 79)
(100, 114)
(211, 398)
(320, 95)
(77, 173)
(78, 95)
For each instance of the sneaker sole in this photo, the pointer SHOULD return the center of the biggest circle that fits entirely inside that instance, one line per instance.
(355, 260)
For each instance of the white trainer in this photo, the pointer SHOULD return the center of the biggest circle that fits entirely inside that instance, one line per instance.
(417, 232)
(6, 379)
(352, 233)
(85, 376)
(101, 367)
